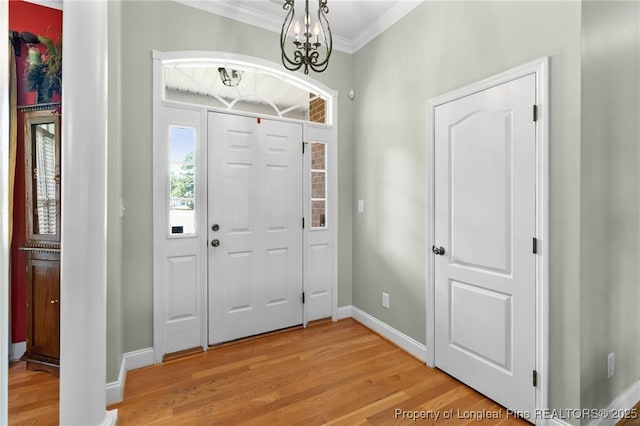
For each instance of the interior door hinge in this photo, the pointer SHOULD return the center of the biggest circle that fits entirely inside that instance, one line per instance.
(535, 113)
(303, 297)
(535, 378)
(535, 246)
(303, 223)
(303, 144)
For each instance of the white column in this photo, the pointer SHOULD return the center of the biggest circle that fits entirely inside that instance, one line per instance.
(84, 225)
(4, 212)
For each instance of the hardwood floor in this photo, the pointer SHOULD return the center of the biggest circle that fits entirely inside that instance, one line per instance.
(330, 373)
(33, 396)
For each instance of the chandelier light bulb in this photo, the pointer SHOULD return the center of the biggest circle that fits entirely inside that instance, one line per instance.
(306, 51)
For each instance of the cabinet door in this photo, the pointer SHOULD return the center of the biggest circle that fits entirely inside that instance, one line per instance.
(43, 308)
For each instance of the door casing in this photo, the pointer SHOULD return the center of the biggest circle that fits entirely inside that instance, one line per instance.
(326, 132)
(540, 68)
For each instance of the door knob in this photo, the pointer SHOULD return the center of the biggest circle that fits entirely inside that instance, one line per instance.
(437, 250)
(215, 243)
(215, 227)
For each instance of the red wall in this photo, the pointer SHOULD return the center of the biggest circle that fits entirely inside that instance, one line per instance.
(39, 20)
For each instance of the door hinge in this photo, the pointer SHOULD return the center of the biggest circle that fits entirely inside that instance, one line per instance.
(303, 223)
(535, 113)
(535, 378)
(303, 144)
(534, 247)
(303, 297)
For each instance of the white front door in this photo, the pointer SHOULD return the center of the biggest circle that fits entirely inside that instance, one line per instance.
(485, 294)
(255, 226)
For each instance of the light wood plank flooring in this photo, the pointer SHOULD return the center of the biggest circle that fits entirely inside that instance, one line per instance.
(330, 373)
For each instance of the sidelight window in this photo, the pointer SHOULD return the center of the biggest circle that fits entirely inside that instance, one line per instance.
(318, 185)
(182, 186)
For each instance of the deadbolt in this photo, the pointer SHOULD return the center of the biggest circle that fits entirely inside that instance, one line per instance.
(437, 250)
(215, 227)
(215, 243)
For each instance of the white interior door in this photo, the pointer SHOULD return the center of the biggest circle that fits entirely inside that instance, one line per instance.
(255, 221)
(484, 228)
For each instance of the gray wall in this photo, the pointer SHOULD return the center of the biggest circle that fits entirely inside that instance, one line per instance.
(610, 250)
(439, 47)
(168, 26)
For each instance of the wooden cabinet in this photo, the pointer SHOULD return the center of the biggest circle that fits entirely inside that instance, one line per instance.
(43, 309)
(42, 187)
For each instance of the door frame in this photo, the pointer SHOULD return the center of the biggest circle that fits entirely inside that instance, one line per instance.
(308, 128)
(540, 68)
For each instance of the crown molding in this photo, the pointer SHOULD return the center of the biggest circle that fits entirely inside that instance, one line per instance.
(53, 4)
(250, 16)
(273, 22)
(381, 24)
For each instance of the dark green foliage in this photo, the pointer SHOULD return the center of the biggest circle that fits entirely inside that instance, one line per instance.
(183, 183)
(45, 78)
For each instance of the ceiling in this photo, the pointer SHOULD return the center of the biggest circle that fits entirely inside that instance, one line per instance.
(353, 22)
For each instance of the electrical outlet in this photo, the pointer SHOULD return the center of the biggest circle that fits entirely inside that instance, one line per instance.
(360, 206)
(385, 300)
(611, 365)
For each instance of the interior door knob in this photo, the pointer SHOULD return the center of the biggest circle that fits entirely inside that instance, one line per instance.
(439, 251)
(215, 243)
(215, 227)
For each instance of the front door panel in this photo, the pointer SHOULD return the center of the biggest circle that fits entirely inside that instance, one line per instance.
(255, 199)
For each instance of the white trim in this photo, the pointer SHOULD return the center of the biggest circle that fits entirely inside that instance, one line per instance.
(540, 68)
(111, 418)
(204, 57)
(181, 58)
(53, 4)
(138, 359)
(17, 350)
(343, 312)
(400, 339)
(384, 21)
(115, 390)
(240, 13)
(130, 361)
(625, 401)
(158, 255)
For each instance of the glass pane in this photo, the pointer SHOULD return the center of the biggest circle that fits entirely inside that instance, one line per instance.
(318, 184)
(318, 214)
(318, 156)
(317, 110)
(44, 179)
(252, 90)
(182, 169)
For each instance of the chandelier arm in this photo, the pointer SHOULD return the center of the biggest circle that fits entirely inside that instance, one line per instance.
(325, 28)
(286, 25)
(306, 50)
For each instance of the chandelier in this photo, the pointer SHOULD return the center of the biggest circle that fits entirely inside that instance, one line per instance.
(310, 40)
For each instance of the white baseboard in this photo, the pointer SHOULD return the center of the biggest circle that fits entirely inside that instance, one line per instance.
(405, 342)
(625, 401)
(130, 361)
(138, 359)
(17, 350)
(343, 312)
(110, 418)
(115, 390)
